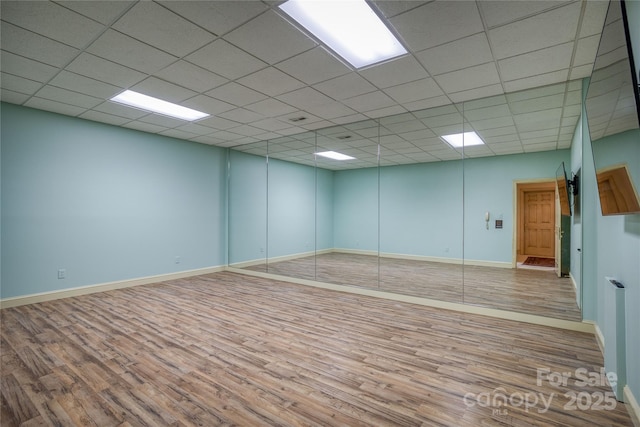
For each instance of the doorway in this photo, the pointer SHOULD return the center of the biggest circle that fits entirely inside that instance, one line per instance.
(535, 229)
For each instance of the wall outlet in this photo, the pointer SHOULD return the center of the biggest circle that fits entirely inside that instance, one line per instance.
(62, 273)
(177, 260)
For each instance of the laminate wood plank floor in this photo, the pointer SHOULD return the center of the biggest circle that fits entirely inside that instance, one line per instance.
(530, 291)
(230, 349)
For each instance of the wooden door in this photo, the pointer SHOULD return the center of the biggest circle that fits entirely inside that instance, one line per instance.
(539, 223)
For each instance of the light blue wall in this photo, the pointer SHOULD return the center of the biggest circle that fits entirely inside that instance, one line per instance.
(618, 247)
(355, 209)
(247, 207)
(292, 208)
(489, 187)
(272, 210)
(421, 206)
(103, 202)
(421, 209)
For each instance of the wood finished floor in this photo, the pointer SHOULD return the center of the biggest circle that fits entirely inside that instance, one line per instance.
(530, 291)
(229, 349)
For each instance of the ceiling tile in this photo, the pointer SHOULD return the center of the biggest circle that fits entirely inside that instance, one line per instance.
(174, 35)
(427, 103)
(437, 23)
(83, 84)
(131, 53)
(12, 97)
(414, 91)
(103, 11)
(179, 134)
(225, 59)
(27, 68)
(241, 115)
(469, 78)
(218, 123)
(540, 62)
(540, 31)
(304, 97)
(502, 12)
(593, 18)
(164, 90)
(236, 94)
(393, 73)
(270, 38)
(145, 127)
(476, 93)
(538, 120)
(463, 53)
(31, 45)
(580, 72)
(271, 108)
(536, 81)
(500, 110)
(51, 20)
(346, 86)
(330, 110)
(98, 116)
(105, 71)
(120, 110)
(586, 50)
(191, 76)
(313, 66)
(220, 16)
(396, 7)
(54, 106)
(196, 128)
(19, 84)
(160, 120)
(537, 104)
(207, 104)
(370, 101)
(271, 81)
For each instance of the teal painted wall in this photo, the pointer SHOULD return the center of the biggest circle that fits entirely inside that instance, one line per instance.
(355, 209)
(489, 187)
(247, 207)
(421, 209)
(103, 202)
(292, 208)
(273, 210)
(618, 247)
(421, 206)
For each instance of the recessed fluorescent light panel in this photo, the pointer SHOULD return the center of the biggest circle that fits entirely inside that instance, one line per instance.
(149, 103)
(350, 28)
(335, 155)
(466, 139)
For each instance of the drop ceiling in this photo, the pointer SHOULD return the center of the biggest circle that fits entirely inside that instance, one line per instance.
(518, 62)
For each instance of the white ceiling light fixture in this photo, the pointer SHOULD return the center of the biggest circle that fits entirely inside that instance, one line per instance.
(155, 105)
(466, 139)
(350, 28)
(335, 155)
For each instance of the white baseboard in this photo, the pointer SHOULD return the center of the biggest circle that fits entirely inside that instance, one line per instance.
(90, 289)
(479, 263)
(484, 311)
(632, 406)
(259, 261)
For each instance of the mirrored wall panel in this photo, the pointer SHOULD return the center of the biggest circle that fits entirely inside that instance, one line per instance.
(455, 203)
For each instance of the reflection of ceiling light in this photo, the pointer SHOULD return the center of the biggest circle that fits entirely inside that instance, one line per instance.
(335, 156)
(149, 103)
(351, 28)
(463, 139)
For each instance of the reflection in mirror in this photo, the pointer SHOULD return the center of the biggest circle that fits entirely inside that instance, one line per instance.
(613, 112)
(509, 200)
(422, 205)
(248, 206)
